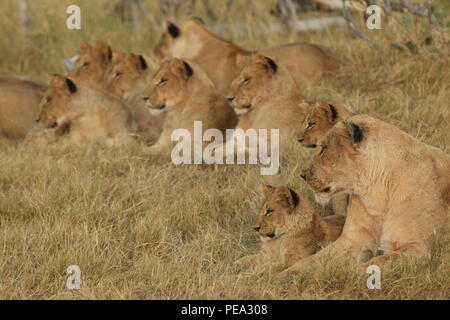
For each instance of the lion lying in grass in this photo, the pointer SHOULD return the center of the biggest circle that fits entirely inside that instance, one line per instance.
(400, 190)
(183, 93)
(83, 114)
(219, 58)
(290, 228)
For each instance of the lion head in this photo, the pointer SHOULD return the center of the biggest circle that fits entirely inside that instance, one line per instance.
(277, 211)
(92, 62)
(335, 160)
(247, 89)
(320, 118)
(168, 86)
(54, 105)
(174, 38)
(125, 73)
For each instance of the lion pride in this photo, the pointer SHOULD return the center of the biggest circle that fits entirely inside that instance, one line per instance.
(290, 228)
(219, 58)
(400, 189)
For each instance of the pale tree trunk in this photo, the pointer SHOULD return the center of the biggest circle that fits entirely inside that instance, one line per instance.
(25, 20)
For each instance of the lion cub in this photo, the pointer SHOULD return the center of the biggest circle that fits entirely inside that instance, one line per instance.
(290, 228)
(265, 96)
(84, 114)
(321, 117)
(127, 77)
(183, 93)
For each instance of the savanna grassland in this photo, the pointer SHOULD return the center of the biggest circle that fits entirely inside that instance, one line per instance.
(139, 228)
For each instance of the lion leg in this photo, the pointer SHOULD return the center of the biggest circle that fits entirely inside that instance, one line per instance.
(410, 249)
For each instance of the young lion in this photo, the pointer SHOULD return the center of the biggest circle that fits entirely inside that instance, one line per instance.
(184, 94)
(320, 118)
(291, 228)
(265, 96)
(92, 63)
(81, 113)
(402, 188)
(219, 58)
(127, 77)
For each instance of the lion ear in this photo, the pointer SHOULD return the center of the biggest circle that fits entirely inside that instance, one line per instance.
(289, 196)
(272, 66)
(356, 132)
(333, 111)
(64, 84)
(173, 29)
(267, 190)
(103, 51)
(137, 61)
(182, 68)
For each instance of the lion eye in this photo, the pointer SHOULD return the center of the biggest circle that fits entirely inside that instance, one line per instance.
(85, 64)
(269, 212)
(246, 81)
(48, 100)
(310, 125)
(118, 74)
(322, 150)
(162, 82)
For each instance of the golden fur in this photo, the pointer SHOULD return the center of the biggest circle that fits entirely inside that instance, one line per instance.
(400, 189)
(183, 93)
(127, 77)
(92, 63)
(219, 58)
(319, 119)
(290, 228)
(266, 97)
(84, 114)
(19, 109)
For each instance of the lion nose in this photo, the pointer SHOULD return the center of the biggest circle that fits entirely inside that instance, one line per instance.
(230, 99)
(256, 228)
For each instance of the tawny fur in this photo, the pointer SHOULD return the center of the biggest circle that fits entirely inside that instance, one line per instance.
(220, 58)
(84, 115)
(400, 189)
(184, 98)
(290, 229)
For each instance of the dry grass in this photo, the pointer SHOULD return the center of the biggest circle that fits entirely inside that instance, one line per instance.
(139, 228)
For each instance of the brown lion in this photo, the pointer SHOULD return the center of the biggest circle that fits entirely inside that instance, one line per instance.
(127, 76)
(319, 119)
(290, 228)
(219, 58)
(183, 93)
(400, 189)
(84, 114)
(92, 63)
(19, 108)
(265, 96)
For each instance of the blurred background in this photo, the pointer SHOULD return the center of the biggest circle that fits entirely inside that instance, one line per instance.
(34, 38)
